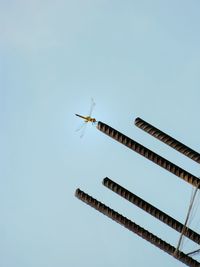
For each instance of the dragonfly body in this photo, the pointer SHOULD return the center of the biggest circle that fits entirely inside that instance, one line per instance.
(86, 118)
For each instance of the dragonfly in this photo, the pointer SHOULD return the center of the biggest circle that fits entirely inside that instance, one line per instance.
(87, 118)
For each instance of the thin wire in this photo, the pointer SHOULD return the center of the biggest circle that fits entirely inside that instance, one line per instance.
(191, 217)
(186, 220)
(184, 240)
(195, 207)
(193, 252)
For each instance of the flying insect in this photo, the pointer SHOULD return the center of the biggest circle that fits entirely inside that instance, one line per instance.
(87, 119)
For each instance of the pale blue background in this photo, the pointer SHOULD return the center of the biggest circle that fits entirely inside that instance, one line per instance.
(135, 58)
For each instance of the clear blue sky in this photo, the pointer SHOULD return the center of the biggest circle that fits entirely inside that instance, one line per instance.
(135, 58)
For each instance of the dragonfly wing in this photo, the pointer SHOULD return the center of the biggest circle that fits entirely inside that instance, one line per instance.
(83, 130)
(91, 107)
(82, 126)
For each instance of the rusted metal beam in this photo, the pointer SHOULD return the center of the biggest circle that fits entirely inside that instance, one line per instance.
(160, 215)
(149, 154)
(167, 139)
(133, 227)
